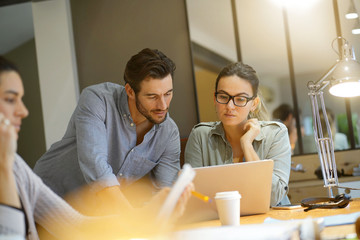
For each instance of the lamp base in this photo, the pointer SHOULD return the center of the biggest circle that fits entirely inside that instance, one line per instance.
(339, 201)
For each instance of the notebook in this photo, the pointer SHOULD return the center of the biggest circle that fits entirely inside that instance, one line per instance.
(252, 180)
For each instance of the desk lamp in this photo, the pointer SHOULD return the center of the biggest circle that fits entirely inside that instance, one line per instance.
(344, 80)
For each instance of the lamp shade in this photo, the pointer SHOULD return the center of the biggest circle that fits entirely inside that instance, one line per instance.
(345, 77)
(351, 13)
(347, 89)
(356, 29)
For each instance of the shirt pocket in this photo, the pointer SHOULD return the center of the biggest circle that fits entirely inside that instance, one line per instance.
(136, 167)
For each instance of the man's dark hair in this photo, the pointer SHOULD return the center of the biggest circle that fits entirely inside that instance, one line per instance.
(282, 112)
(147, 63)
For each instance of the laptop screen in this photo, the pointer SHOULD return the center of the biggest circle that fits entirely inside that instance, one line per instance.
(253, 180)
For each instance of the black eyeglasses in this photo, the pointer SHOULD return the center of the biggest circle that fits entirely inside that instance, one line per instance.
(239, 101)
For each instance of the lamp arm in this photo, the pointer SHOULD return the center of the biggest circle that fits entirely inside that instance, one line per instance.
(324, 144)
(321, 83)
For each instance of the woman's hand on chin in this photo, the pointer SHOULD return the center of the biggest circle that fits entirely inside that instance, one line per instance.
(7, 142)
(251, 130)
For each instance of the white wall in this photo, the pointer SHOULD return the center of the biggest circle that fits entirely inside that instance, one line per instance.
(57, 65)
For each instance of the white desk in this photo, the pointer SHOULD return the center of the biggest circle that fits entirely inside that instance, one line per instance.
(327, 233)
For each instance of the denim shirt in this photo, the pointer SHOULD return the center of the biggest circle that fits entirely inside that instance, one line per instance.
(207, 146)
(100, 146)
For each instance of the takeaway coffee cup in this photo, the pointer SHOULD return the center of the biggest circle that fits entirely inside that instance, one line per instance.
(228, 207)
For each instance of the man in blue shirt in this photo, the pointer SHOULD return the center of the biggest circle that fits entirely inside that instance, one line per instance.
(118, 134)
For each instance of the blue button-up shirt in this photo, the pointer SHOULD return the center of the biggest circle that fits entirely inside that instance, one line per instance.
(100, 146)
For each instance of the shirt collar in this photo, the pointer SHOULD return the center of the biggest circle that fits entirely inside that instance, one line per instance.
(218, 129)
(261, 135)
(123, 104)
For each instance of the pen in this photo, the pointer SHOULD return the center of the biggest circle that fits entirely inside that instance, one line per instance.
(201, 196)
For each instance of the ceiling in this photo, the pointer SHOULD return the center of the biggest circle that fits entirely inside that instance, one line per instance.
(262, 35)
(260, 25)
(16, 26)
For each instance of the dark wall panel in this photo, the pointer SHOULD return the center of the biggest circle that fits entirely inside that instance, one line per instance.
(107, 33)
(31, 144)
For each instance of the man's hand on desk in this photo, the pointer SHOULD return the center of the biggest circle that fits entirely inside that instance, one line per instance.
(144, 218)
(120, 218)
(151, 210)
(113, 201)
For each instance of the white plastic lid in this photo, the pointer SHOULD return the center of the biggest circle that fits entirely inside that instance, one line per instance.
(229, 194)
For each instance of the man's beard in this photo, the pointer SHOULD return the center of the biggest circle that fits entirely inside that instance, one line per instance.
(146, 113)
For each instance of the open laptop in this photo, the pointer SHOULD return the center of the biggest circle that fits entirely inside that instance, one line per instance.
(252, 180)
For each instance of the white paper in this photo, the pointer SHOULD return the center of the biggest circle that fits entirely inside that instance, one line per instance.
(186, 176)
(251, 231)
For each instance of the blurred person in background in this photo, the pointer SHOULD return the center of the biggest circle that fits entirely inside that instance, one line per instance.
(285, 114)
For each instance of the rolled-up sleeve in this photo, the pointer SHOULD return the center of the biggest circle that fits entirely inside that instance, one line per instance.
(280, 152)
(12, 221)
(92, 141)
(167, 169)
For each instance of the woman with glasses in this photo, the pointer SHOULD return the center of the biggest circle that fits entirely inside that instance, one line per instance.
(243, 133)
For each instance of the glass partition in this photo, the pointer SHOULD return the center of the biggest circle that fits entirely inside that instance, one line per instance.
(288, 45)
